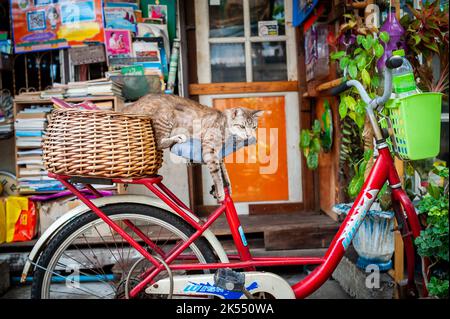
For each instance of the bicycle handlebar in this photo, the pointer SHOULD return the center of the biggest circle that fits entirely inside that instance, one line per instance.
(391, 63)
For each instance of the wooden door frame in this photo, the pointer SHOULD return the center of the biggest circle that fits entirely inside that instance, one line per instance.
(309, 178)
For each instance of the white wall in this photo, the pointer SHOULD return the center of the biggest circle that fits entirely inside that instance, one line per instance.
(175, 178)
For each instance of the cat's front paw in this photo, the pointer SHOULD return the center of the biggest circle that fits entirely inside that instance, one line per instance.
(179, 139)
(220, 196)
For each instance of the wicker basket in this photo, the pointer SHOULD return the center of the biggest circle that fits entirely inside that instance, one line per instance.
(100, 144)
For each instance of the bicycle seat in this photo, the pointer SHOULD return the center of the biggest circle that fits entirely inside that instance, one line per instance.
(192, 148)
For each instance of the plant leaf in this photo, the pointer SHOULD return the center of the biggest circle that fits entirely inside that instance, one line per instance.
(315, 145)
(361, 61)
(365, 77)
(432, 46)
(379, 50)
(343, 108)
(316, 127)
(343, 63)
(416, 39)
(360, 119)
(337, 55)
(359, 39)
(375, 81)
(352, 70)
(350, 101)
(312, 161)
(384, 36)
(305, 138)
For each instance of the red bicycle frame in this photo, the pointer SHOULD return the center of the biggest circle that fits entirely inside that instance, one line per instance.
(382, 171)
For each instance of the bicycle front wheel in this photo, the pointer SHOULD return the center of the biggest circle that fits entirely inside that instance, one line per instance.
(87, 259)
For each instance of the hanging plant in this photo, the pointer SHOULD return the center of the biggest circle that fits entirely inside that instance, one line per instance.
(358, 62)
(318, 138)
(310, 144)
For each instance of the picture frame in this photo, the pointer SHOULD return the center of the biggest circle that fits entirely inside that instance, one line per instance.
(158, 11)
(118, 43)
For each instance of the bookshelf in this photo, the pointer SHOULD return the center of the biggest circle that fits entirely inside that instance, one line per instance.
(22, 102)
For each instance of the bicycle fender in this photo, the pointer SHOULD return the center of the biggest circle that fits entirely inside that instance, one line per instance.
(204, 284)
(99, 202)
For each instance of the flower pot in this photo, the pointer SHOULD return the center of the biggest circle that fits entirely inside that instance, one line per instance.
(374, 240)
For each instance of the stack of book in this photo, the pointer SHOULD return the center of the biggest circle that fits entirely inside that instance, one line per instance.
(100, 87)
(57, 91)
(30, 124)
(103, 87)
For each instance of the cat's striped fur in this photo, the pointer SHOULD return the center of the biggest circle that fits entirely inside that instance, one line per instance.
(176, 119)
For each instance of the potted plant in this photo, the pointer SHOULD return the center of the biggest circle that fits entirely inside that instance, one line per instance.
(374, 240)
(434, 239)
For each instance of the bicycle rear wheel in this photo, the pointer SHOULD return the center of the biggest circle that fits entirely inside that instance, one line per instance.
(87, 259)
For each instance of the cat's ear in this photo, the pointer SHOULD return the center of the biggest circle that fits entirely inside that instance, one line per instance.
(256, 114)
(235, 112)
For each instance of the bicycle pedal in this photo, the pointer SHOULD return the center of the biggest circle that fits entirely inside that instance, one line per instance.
(229, 279)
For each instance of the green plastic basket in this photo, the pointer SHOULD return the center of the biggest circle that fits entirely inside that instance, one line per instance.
(416, 123)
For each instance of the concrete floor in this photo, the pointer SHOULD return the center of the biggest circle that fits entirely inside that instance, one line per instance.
(330, 290)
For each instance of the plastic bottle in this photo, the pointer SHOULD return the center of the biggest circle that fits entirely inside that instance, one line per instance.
(403, 81)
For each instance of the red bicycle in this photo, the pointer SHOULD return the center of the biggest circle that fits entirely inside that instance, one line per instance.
(130, 246)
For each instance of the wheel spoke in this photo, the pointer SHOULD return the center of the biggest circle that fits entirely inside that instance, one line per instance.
(107, 258)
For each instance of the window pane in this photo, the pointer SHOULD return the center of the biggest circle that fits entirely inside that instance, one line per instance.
(227, 62)
(269, 61)
(267, 16)
(226, 19)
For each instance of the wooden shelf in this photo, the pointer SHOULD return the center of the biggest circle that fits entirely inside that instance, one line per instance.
(315, 88)
(328, 85)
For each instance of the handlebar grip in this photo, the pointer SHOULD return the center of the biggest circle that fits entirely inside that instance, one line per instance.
(394, 62)
(340, 88)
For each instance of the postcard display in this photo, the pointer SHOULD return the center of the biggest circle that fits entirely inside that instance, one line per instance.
(136, 37)
(137, 44)
(51, 24)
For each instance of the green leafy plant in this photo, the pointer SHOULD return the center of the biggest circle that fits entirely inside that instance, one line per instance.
(427, 35)
(310, 144)
(317, 139)
(358, 62)
(433, 242)
(357, 181)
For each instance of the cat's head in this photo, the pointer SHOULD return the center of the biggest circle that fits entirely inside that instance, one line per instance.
(243, 122)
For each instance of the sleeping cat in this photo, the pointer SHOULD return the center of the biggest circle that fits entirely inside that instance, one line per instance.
(176, 119)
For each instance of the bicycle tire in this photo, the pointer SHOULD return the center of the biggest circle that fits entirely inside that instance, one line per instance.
(114, 209)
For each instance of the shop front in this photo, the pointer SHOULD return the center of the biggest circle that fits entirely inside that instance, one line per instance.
(291, 187)
(246, 57)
